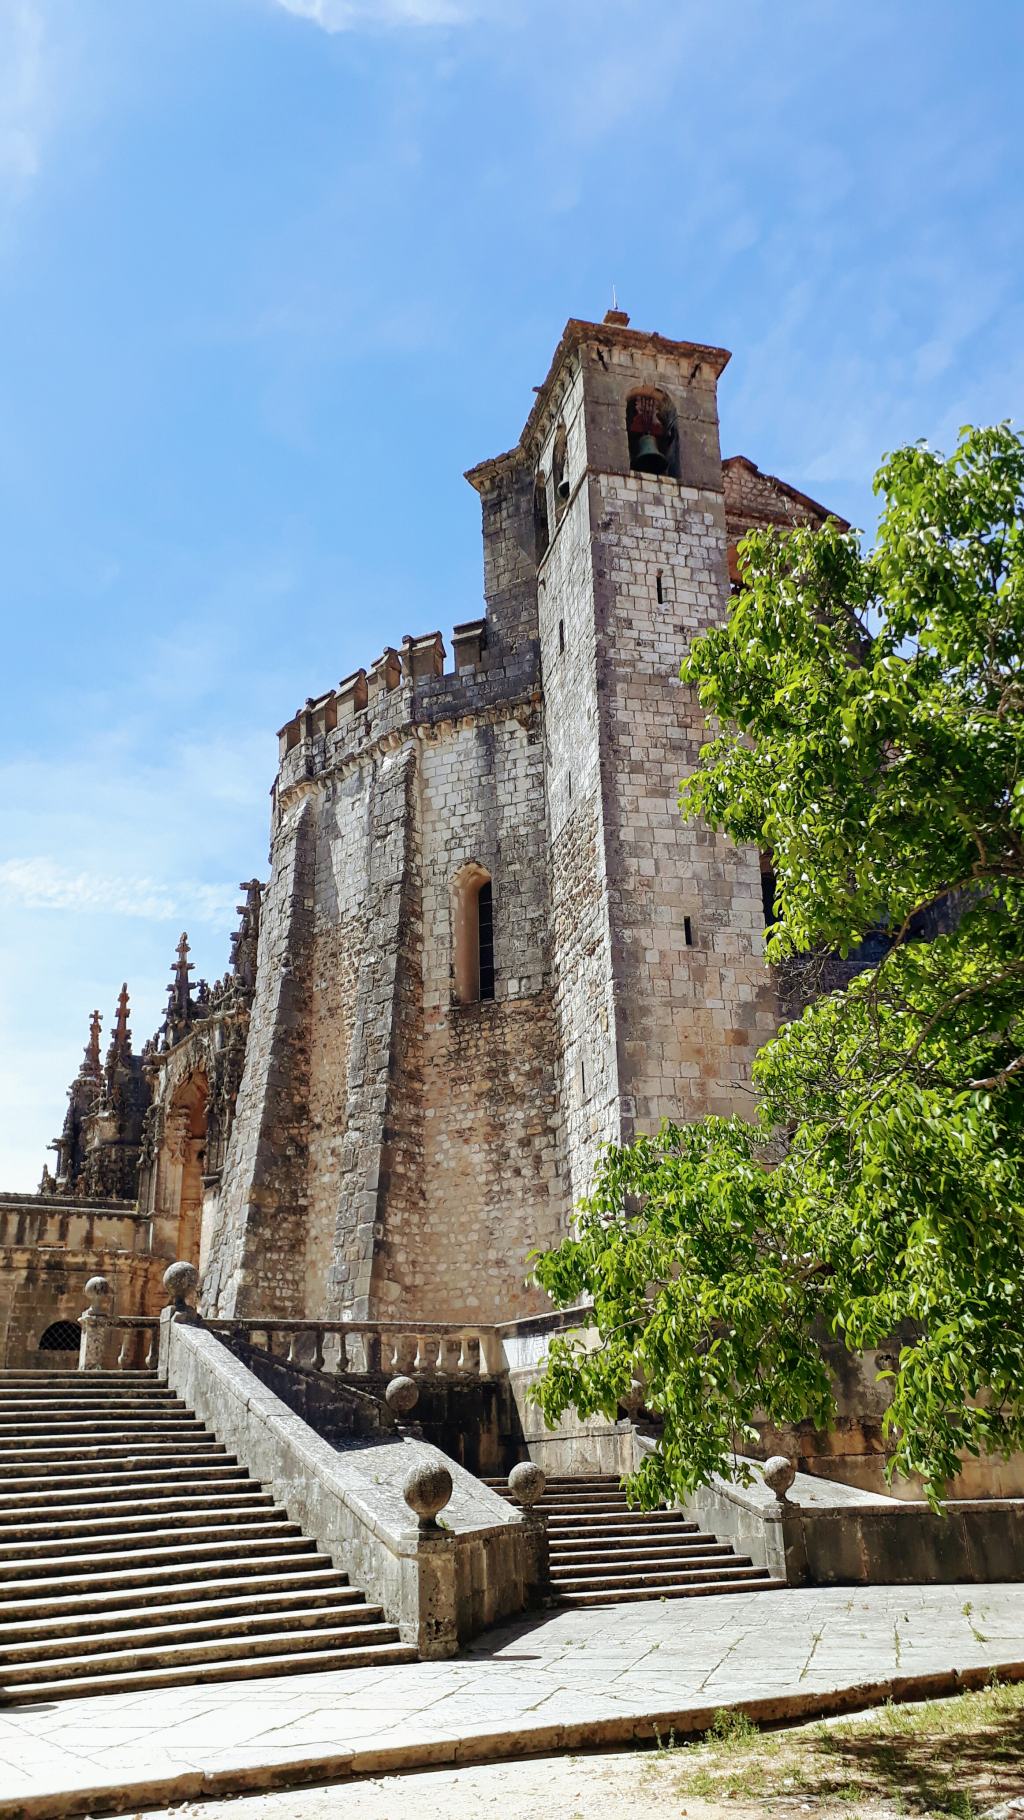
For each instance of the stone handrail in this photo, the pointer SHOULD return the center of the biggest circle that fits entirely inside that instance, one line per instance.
(132, 1325)
(97, 1325)
(447, 1348)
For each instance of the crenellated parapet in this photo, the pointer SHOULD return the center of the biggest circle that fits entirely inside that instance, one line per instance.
(406, 692)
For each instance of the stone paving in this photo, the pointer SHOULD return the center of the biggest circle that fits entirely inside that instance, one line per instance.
(574, 1678)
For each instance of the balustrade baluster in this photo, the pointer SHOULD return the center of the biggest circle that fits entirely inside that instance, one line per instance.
(451, 1353)
(430, 1347)
(471, 1355)
(406, 1346)
(318, 1349)
(373, 1347)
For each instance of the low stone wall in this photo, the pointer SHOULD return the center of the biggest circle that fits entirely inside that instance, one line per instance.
(826, 1534)
(441, 1588)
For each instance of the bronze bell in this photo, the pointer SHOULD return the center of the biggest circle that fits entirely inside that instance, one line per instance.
(562, 486)
(647, 456)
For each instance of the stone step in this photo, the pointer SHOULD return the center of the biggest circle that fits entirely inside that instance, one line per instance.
(158, 1497)
(229, 1556)
(61, 1457)
(83, 1378)
(17, 1398)
(587, 1542)
(307, 1578)
(150, 1627)
(709, 1553)
(654, 1519)
(106, 1640)
(699, 1590)
(115, 1427)
(589, 1507)
(285, 1640)
(128, 1472)
(566, 1479)
(679, 1573)
(249, 1668)
(103, 1526)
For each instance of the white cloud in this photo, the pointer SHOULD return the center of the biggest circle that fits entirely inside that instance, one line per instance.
(353, 15)
(24, 104)
(43, 884)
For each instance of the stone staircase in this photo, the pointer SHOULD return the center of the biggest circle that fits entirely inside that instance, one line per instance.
(135, 1552)
(603, 1553)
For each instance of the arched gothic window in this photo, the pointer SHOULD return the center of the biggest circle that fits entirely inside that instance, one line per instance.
(473, 932)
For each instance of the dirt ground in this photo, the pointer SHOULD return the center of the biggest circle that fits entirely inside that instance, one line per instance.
(942, 1760)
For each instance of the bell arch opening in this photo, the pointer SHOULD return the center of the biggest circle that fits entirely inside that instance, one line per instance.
(653, 433)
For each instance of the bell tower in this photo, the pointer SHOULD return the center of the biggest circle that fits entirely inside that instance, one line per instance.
(660, 993)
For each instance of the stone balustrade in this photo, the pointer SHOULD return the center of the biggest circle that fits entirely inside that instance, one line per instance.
(358, 1348)
(140, 1341)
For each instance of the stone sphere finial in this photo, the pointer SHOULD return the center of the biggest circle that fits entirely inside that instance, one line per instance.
(97, 1290)
(527, 1483)
(778, 1474)
(401, 1396)
(179, 1281)
(427, 1490)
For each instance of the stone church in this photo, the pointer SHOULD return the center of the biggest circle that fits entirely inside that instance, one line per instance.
(488, 942)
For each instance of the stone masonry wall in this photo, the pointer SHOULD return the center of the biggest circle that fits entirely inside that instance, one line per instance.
(257, 1248)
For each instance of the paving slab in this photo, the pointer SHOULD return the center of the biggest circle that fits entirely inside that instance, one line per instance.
(567, 1680)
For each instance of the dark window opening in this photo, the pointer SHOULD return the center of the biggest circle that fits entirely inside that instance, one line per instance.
(768, 890)
(485, 916)
(653, 434)
(541, 527)
(661, 591)
(569, 782)
(687, 932)
(561, 636)
(559, 471)
(61, 1336)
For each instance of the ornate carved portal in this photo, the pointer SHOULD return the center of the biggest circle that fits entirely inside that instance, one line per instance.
(181, 1164)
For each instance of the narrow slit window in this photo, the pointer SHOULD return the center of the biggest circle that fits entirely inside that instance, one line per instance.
(485, 924)
(473, 935)
(688, 931)
(561, 636)
(661, 590)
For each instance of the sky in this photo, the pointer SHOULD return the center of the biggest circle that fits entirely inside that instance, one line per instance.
(274, 273)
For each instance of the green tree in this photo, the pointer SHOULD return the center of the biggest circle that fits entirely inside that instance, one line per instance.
(866, 713)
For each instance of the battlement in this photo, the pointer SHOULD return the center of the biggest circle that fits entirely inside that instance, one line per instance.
(402, 691)
(366, 692)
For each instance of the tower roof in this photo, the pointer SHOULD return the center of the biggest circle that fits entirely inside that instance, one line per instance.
(613, 332)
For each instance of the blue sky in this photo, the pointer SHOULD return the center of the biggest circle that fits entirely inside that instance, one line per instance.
(274, 272)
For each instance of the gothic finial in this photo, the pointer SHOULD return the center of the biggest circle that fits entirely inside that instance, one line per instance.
(180, 1008)
(91, 1065)
(122, 1034)
(120, 1038)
